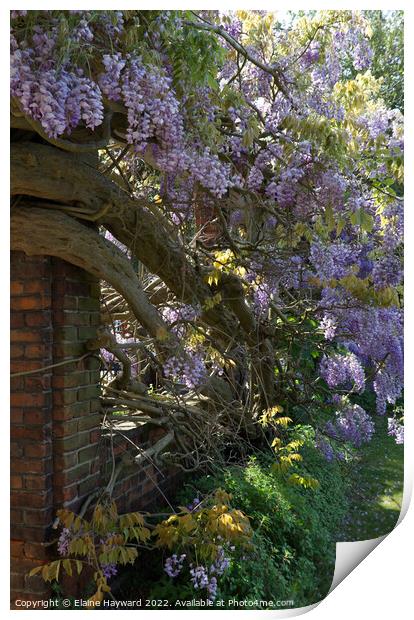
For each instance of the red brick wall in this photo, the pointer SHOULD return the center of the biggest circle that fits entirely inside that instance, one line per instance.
(207, 223)
(31, 420)
(55, 413)
(58, 452)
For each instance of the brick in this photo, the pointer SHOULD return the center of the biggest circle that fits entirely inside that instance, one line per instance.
(32, 466)
(68, 437)
(28, 266)
(25, 335)
(95, 319)
(16, 581)
(29, 399)
(30, 532)
(74, 289)
(86, 333)
(16, 548)
(32, 483)
(67, 477)
(28, 596)
(86, 393)
(62, 300)
(16, 482)
(87, 454)
(89, 304)
(67, 412)
(16, 515)
(37, 382)
(16, 414)
(63, 429)
(95, 405)
(77, 318)
(16, 350)
(17, 384)
(16, 449)
(89, 421)
(95, 290)
(26, 499)
(16, 320)
(65, 397)
(16, 287)
(96, 467)
(34, 583)
(66, 334)
(61, 267)
(88, 277)
(29, 302)
(36, 551)
(35, 433)
(35, 351)
(69, 349)
(65, 461)
(35, 416)
(23, 365)
(37, 319)
(43, 517)
(88, 485)
(41, 286)
(92, 363)
(74, 379)
(66, 494)
(95, 436)
(38, 450)
(67, 444)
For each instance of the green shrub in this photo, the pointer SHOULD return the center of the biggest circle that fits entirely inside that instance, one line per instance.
(295, 529)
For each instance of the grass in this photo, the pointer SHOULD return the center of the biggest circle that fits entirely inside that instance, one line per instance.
(376, 487)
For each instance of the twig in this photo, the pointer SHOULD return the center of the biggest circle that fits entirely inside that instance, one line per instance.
(32, 372)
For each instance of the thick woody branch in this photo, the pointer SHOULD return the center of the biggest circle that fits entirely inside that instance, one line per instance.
(87, 193)
(40, 231)
(23, 121)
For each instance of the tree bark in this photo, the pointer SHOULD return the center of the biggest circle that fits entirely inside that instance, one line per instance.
(62, 178)
(43, 231)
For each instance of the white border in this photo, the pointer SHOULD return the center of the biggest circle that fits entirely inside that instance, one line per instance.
(380, 586)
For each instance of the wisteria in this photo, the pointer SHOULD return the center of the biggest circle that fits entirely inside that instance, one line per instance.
(343, 369)
(109, 570)
(351, 424)
(291, 177)
(202, 577)
(64, 541)
(194, 505)
(387, 272)
(53, 95)
(325, 447)
(174, 564)
(396, 430)
(374, 335)
(187, 368)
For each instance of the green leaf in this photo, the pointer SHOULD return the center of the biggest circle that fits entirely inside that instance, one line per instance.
(68, 567)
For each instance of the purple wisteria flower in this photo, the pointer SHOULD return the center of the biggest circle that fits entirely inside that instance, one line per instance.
(342, 369)
(199, 577)
(220, 564)
(351, 424)
(194, 505)
(396, 430)
(64, 541)
(187, 368)
(109, 570)
(174, 565)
